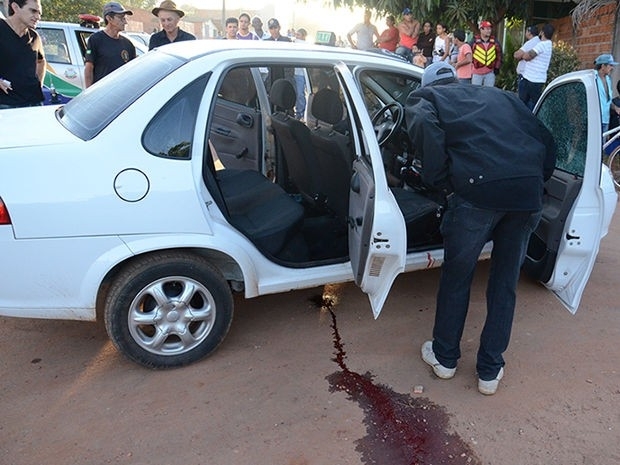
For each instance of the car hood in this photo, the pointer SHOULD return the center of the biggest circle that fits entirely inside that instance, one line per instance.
(32, 127)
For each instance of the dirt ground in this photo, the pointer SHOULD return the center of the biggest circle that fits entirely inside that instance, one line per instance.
(292, 385)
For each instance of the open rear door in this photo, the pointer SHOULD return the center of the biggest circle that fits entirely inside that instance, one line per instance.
(377, 234)
(579, 199)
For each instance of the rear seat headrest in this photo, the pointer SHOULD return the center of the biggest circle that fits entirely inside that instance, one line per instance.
(282, 94)
(326, 106)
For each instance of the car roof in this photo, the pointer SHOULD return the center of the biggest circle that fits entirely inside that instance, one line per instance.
(191, 50)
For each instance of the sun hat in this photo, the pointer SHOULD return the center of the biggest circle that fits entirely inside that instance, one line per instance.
(115, 8)
(438, 71)
(605, 59)
(168, 5)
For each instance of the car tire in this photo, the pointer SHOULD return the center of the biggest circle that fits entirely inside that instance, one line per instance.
(168, 310)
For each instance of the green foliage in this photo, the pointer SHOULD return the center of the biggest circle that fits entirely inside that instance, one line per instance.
(68, 10)
(456, 13)
(507, 77)
(564, 60)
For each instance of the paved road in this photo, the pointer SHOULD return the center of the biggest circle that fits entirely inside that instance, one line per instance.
(309, 377)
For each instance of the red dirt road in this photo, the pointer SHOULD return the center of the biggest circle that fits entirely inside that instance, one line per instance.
(267, 395)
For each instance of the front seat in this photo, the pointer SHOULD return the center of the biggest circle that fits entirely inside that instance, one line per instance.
(294, 140)
(333, 149)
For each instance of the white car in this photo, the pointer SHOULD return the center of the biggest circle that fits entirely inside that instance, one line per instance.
(156, 193)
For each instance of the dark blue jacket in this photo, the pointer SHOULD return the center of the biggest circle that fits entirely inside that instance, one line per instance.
(482, 143)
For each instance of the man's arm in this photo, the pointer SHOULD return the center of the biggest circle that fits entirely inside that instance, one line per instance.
(428, 138)
(89, 69)
(40, 69)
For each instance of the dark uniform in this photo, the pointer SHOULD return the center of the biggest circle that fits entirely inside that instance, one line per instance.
(107, 54)
(160, 38)
(18, 64)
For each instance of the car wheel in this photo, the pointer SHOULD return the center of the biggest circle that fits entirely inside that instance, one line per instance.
(168, 310)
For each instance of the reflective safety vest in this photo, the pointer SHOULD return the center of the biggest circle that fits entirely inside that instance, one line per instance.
(485, 54)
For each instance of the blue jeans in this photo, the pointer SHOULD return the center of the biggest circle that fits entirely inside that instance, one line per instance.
(487, 79)
(529, 92)
(466, 229)
(300, 100)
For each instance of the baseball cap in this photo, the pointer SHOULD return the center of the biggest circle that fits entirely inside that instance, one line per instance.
(485, 24)
(407, 11)
(605, 59)
(115, 8)
(438, 72)
(273, 22)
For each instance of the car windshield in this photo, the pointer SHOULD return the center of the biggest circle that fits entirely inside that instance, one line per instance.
(91, 111)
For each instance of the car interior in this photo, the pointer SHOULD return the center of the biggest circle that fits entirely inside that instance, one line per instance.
(284, 182)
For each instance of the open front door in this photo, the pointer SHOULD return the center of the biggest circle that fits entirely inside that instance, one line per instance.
(579, 199)
(377, 234)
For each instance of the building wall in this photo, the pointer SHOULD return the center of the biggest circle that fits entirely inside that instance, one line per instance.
(592, 37)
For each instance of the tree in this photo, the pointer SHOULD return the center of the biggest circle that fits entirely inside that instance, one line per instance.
(456, 13)
(68, 10)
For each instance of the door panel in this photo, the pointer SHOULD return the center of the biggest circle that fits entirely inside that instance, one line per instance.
(377, 234)
(563, 248)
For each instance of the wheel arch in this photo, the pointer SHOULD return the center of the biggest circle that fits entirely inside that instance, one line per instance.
(229, 268)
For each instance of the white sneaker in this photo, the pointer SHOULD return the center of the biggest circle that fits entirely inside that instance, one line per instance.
(488, 388)
(429, 357)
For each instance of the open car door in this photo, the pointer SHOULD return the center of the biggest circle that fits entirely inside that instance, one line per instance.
(377, 234)
(579, 198)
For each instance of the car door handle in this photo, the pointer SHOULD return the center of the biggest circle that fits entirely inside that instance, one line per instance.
(245, 120)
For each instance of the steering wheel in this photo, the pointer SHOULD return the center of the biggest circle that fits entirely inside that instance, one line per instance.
(385, 123)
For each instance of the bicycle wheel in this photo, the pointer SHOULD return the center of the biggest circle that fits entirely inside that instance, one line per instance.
(614, 166)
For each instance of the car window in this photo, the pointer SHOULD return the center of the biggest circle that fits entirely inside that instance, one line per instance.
(91, 111)
(380, 88)
(82, 40)
(55, 45)
(169, 134)
(564, 111)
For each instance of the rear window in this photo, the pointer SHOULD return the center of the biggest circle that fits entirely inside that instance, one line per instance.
(91, 111)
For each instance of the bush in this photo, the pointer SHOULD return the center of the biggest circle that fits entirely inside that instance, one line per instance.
(507, 77)
(564, 60)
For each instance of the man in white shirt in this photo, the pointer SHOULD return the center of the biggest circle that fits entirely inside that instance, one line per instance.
(366, 34)
(534, 75)
(531, 34)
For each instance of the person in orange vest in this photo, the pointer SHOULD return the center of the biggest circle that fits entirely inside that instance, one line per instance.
(486, 56)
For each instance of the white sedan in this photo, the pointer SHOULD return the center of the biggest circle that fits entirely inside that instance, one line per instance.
(182, 177)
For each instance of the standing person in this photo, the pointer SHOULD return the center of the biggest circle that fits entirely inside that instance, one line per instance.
(463, 59)
(491, 166)
(366, 34)
(244, 32)
(300, 79)
(426, 41)
(22, 60)
(232, 26)
(408, 31)
(531, 34)
(604, 66)
(441, 47)
(257, 24)
(486, 55)
(537, 62)
(274, 31)
(389, 37)
(169, 16)
(107, 50)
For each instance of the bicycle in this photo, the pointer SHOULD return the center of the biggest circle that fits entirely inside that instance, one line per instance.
(613, 161)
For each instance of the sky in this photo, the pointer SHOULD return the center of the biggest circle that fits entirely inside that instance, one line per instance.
(313, 15)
